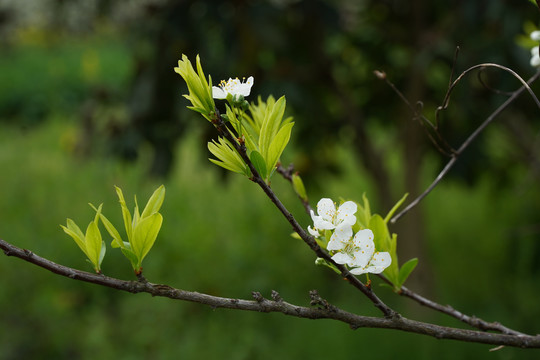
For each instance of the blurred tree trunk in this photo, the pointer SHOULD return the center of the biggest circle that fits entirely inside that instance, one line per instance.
(154, 99)
(411, 228)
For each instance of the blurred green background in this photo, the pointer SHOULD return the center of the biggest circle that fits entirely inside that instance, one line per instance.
(89, 100)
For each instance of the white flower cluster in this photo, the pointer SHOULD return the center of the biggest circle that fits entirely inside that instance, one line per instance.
(535, 55)
(357, 252)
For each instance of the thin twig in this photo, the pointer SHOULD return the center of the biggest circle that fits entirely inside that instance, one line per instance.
(449, 310)
(473, 136)
(438, 141)
(287, 174)
(320, 309)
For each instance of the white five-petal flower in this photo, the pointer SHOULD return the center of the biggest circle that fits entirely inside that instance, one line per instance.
(340, 220)
(359, 254)
(235, 87)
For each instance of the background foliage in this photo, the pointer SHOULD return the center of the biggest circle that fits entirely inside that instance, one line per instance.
(88, 102)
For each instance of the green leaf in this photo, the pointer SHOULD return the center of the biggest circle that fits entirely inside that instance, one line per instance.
(298, 186)
(383, 242)
(380, 231)
(228, 157)
(406, 270)
(125, 213)
(270, 126)
(136, 214)
(94, 244)
(363, 215)
(117, 239)
(128, 253)
(75, 232)
(145, 234)
(394, 208)
(154, 203)
(102, 252)
(200, 90)
(277, 146)
(258, 162)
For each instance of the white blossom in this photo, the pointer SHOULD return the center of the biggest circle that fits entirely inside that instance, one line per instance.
(313, 232)
(235, 87)
(360, 255)
(340, 220)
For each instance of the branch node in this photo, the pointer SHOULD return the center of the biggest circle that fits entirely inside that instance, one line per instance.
(141, 278)
(276, 297)
(257, 296)
(317, 300)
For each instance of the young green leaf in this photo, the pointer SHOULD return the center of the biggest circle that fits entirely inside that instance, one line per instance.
(75, 232)
(394, 208)
(406, 270)
(272, 120)
(228, 157)
(145, 234)
(125, 212)
(298, 186)
(117, 239)
(258, 162)
(277, 146)
(200, 90)
(94, 244)
(128, 253)
(154, 203)
(380, 231)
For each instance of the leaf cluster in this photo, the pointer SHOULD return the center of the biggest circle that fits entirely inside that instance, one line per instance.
(141, 230)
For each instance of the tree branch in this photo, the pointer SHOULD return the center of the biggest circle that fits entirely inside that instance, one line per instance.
(474, 135)
(321, 308)
(473, 321)
(287, 174)
(308, 239)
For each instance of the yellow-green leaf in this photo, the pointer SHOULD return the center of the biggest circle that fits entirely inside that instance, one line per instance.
(154, 203)
(145, 234)
(406, 270)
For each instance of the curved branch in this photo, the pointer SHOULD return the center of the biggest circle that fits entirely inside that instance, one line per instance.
(323, 309)
(471, 137)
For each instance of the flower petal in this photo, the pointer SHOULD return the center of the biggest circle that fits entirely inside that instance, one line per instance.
(365, 247)
(342, 258)
(314, 232)
(326, 209)
(343, 234)
(218, 93)
(379, 262)
(320, 223)
(244, 88)
(335, 244)
(535, 35)
(345, 213)
(358, 271)
(535, 57)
